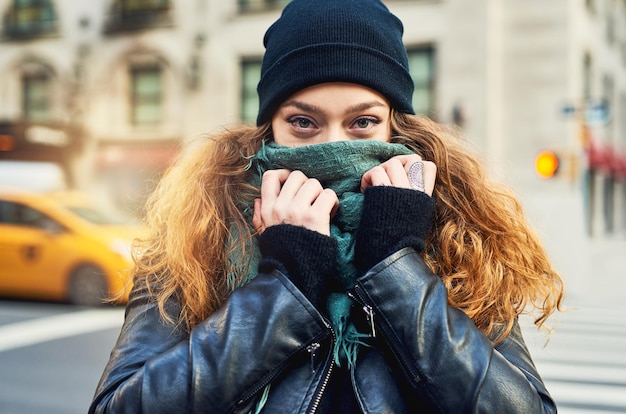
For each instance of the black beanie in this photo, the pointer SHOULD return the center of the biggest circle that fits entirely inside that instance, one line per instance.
(319, 41)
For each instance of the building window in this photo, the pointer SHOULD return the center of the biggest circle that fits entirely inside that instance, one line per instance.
(260, 5)
(129, 15)
(36, 94)
(608, 94)
(142, 6)
(421, 67)
(610, 26)
(250, 75)
(27, 19)
(146, 95)
(587, 77)
(621, 114)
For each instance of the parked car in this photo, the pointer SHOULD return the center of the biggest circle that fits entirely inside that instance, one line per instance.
(59, 246)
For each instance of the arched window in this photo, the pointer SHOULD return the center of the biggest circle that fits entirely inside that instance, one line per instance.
(128, 15)
(422, 68)
(37, 91)
(27, 19)
(260, 5)
(36, 97)
(146, 94)
(250, 75)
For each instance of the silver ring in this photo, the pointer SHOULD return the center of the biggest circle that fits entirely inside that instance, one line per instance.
(416, 176)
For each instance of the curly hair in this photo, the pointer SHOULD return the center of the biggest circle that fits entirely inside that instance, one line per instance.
(489, 259)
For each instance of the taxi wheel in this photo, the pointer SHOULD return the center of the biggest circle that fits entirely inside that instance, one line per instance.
(88, 287)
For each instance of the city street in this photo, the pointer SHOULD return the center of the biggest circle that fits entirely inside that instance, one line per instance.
(583, 363)
(99, 98)
(52, 355)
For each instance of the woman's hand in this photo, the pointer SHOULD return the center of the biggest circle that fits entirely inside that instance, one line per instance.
(290, 197)
(395, 172)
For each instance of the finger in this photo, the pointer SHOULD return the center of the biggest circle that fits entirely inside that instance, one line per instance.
(395, 169)
(296, 209)
(422, 176)
(327, 201)
(257, 221)
(308, 192)
(375, 176)
(318, 216)
(291, 186)
(271, 187)
(296, 195)
(430, 177)
(272, 183)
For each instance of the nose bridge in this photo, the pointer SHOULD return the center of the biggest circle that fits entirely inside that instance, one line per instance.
(337, 132)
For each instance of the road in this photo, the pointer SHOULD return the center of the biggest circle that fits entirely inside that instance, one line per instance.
(584, 361)
(52, 355)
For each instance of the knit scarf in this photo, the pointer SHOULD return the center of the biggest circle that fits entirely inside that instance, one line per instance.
(340, 167)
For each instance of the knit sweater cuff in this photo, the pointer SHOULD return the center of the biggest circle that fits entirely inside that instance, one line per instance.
(392, 218)
(306, 257)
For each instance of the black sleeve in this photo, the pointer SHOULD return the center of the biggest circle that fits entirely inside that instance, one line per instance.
(447, 362)
(392, 218)
(305, 256)
(159, 368)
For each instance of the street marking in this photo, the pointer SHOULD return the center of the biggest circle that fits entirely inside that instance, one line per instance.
(35, 331)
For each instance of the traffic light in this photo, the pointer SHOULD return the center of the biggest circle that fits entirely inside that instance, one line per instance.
(6, 143)
(546, 164)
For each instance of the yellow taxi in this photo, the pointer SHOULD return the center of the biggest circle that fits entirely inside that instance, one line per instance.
(59, 246)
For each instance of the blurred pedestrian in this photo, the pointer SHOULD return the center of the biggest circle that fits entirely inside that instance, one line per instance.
(344, 255)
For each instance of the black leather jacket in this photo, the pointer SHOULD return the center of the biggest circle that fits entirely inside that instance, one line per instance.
(429, 357)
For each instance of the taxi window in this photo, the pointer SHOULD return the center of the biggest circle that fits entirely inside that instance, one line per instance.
(21, 215)
(8, 212)
(97, 217)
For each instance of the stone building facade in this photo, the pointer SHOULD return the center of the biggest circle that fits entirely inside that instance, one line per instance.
(111, 89)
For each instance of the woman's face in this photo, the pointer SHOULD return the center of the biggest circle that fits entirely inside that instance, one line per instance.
(332, 112)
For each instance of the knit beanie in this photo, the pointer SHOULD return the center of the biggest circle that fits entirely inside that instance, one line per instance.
(319, 41)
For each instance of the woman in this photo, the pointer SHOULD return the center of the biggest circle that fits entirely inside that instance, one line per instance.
(345, 255)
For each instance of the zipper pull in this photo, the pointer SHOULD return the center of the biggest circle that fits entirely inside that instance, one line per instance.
(369, 314)
(312, 350)
(369, 311)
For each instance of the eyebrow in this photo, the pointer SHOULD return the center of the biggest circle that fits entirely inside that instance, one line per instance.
(317, 110)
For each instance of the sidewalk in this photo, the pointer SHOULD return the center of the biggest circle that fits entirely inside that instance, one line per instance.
(582, 361)
(594, 269)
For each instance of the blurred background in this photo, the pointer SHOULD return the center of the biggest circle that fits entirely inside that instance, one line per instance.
(98, 97)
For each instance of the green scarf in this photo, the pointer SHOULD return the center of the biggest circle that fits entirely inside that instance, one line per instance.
(339, 166)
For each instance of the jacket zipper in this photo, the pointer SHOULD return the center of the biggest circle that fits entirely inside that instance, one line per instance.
(320, 393)
(369, 311)
(318, 397)
(312, 350)
(405, 362)
(262, 386)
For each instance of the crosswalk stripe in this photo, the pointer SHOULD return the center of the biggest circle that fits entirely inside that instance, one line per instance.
(584, 361)
(34, 331)
(588, 395)
(572, 372)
